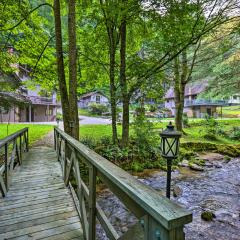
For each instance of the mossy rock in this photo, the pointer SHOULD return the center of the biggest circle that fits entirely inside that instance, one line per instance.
(208, 216)
(185, 154)
(229, 150)
(224, 149)
(199, 146)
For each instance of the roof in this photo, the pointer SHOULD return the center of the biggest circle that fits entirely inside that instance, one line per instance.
(92, 93)
(8, 99)
(190, 89)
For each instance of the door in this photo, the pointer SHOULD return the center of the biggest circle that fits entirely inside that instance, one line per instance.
(209, 112)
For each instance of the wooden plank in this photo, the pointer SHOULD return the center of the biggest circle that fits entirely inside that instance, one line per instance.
(3, 187)
(41, 230)
(52, 232)
(38, 205)
(74, 234)
(92, 203)
(36, 202)
(28, 198)
(55, 207)
(34, 220)
(46, 189)
(106, 225)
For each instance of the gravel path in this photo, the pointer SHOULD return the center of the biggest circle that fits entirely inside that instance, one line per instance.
(47, 140)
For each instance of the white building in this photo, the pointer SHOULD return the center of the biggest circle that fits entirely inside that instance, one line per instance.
(92, 97)
(234, 100)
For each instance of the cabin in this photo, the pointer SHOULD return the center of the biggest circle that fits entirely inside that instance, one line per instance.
(92, 97)
(28, 105)
(36, 109)
(193, 105)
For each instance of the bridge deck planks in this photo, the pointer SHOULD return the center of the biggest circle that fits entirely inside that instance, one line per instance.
(38, 205)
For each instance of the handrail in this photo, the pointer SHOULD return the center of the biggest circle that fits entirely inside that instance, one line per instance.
(19, 143)
(160, 217)
(12, 136)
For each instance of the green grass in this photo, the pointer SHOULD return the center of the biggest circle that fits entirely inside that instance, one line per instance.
(193, 134)
(84, 112)
(36, 132)
(231, 111)
(97, 131)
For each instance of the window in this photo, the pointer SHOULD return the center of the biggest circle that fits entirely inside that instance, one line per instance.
(49, 112)
(235, 97)
(97, 99)
(3, 110)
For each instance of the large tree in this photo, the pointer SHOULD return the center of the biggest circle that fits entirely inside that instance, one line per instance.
(68, 90)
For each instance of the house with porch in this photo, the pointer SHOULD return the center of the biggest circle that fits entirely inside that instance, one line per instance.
(93, 97)
(35, 106)
(193, 106)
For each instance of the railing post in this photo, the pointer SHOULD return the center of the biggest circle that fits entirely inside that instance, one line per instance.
(27, 141)
(154, 231)
(92, 203)
(20, 147)
(6, 165)
(55, 145)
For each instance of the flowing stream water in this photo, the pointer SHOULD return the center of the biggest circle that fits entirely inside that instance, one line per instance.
(216, 189)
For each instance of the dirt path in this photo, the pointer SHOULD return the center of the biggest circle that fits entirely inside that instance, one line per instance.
(47, 140)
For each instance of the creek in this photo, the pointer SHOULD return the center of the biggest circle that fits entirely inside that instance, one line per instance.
(216, 189)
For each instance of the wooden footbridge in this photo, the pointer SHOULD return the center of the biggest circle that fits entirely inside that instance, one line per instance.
(45, 197)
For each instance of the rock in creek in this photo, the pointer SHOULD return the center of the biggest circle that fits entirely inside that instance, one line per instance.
(196, 167)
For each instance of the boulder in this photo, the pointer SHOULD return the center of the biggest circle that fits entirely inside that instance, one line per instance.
(207, 216)
(184, 163)
(196, 167)
(177, 191)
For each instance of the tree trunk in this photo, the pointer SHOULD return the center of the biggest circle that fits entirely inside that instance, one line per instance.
(179, 89)
(112, 51)
(73, 107)
(60, 67)
(123, 83)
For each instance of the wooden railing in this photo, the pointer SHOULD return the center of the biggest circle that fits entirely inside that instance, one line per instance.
(11, 154)
(159, 218)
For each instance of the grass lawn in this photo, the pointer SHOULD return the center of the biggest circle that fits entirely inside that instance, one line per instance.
(84, 112)
(194, 132)
(97, 131)
(231, 111)
(35, 131)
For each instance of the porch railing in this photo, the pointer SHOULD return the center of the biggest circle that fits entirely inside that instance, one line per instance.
(11, 154)
(159, 218)
(42, 100)
(201, 102)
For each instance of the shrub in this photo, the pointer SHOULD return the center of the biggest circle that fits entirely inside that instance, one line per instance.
(185, 120)
(235, 134)
(97, 109)
(152, 108)
(106, 140)
(59, 117)
(89, 142)
(211, 128)
(146, 140)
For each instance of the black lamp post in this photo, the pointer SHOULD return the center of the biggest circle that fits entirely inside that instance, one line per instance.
(169, 148)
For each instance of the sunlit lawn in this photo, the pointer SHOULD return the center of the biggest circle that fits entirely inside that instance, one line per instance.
(193, 134)
(35, 131)
(233, 111)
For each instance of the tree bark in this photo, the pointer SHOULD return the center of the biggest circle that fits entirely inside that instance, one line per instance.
(123, 83)
(112, 85)
(60, 67)
(113, 41)
(73, 107)
(179, 88)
